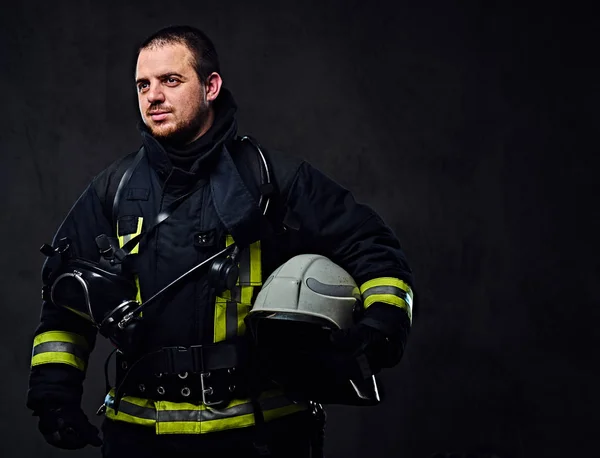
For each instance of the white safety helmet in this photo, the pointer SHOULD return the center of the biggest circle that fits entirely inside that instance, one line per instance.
(298, 307)
(309, 288)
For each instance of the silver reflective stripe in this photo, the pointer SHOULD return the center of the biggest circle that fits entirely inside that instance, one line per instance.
(63, 347)
(235, 411)
(231, 320)
(126, 238)
(214, 414)
(180, 415)
(134, 410)
(203, 415)
(163, 416)
(331, 290)
(388, 290)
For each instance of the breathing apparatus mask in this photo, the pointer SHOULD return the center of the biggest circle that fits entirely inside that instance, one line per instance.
(104, 292)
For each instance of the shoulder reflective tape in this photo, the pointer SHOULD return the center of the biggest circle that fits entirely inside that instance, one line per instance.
(185, 418)
(123, 239)
(233, 305)
(60, 347)
(388, 290)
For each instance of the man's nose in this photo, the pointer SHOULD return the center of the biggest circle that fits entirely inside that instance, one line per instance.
(155, 94)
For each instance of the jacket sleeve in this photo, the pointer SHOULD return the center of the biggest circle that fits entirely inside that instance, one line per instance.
(63, 341)
(330, 222)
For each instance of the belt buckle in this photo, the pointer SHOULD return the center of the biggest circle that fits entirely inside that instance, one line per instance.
(207, 390)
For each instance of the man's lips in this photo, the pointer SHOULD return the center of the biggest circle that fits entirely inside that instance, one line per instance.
(159, 115)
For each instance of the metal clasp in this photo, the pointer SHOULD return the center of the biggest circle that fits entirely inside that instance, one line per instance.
(207, 390)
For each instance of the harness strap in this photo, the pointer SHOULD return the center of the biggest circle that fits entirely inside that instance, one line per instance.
(123, 182)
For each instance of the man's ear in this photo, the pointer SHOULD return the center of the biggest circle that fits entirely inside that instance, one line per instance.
(213, 86)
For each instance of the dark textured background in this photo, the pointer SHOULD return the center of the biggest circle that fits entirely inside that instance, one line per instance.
(470, 129)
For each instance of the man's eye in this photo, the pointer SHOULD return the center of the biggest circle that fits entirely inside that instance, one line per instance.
(172, 80)
(142, 86)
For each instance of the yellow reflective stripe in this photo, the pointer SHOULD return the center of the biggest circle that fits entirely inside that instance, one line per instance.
(386, 281)
(220, 319)
(179, 427)
(224, 310)
(198, 421)
(138, 231)
(391, 299)
(229, 321)
(61, 347)
(130, 413)
(388, 290)
(123, 239)
(240, 421)
(133, 410)
(255, 264)
(184, 418)
(60, 336)
(246, 296)
(243, 310)
(138, 296)
(60, 357)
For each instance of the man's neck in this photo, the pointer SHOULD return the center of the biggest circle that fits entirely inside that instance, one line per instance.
(205, 128)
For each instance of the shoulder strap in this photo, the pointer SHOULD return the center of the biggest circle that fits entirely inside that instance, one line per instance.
(125, 172)
(246, 153)
(254, 175)
(263, 180)
(106, 189)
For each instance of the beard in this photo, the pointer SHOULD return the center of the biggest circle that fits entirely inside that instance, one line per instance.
(183, 131)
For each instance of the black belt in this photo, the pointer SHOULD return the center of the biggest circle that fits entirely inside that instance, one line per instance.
(212, 374)
(199, 359)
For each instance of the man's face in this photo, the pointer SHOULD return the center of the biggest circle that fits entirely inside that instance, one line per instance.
(171, 98)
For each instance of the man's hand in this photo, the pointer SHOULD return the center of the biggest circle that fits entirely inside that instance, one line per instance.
(366, 342)
(68, 428)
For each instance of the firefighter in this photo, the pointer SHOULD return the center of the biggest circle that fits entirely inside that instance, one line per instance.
(188, 380)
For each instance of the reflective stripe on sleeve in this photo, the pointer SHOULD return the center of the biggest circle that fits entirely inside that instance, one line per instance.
(388, 290)
(60, 347)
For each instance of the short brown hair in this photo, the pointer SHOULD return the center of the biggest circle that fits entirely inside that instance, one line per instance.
(204, 54)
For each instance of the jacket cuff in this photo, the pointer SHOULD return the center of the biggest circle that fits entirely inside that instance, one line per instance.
(54, 385)
(391, 321)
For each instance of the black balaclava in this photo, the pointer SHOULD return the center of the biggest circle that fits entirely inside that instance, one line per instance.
(184, 156)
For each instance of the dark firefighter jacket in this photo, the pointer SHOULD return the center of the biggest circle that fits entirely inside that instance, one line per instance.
(320, 217)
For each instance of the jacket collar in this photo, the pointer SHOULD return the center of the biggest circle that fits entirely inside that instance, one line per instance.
(159, 158)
